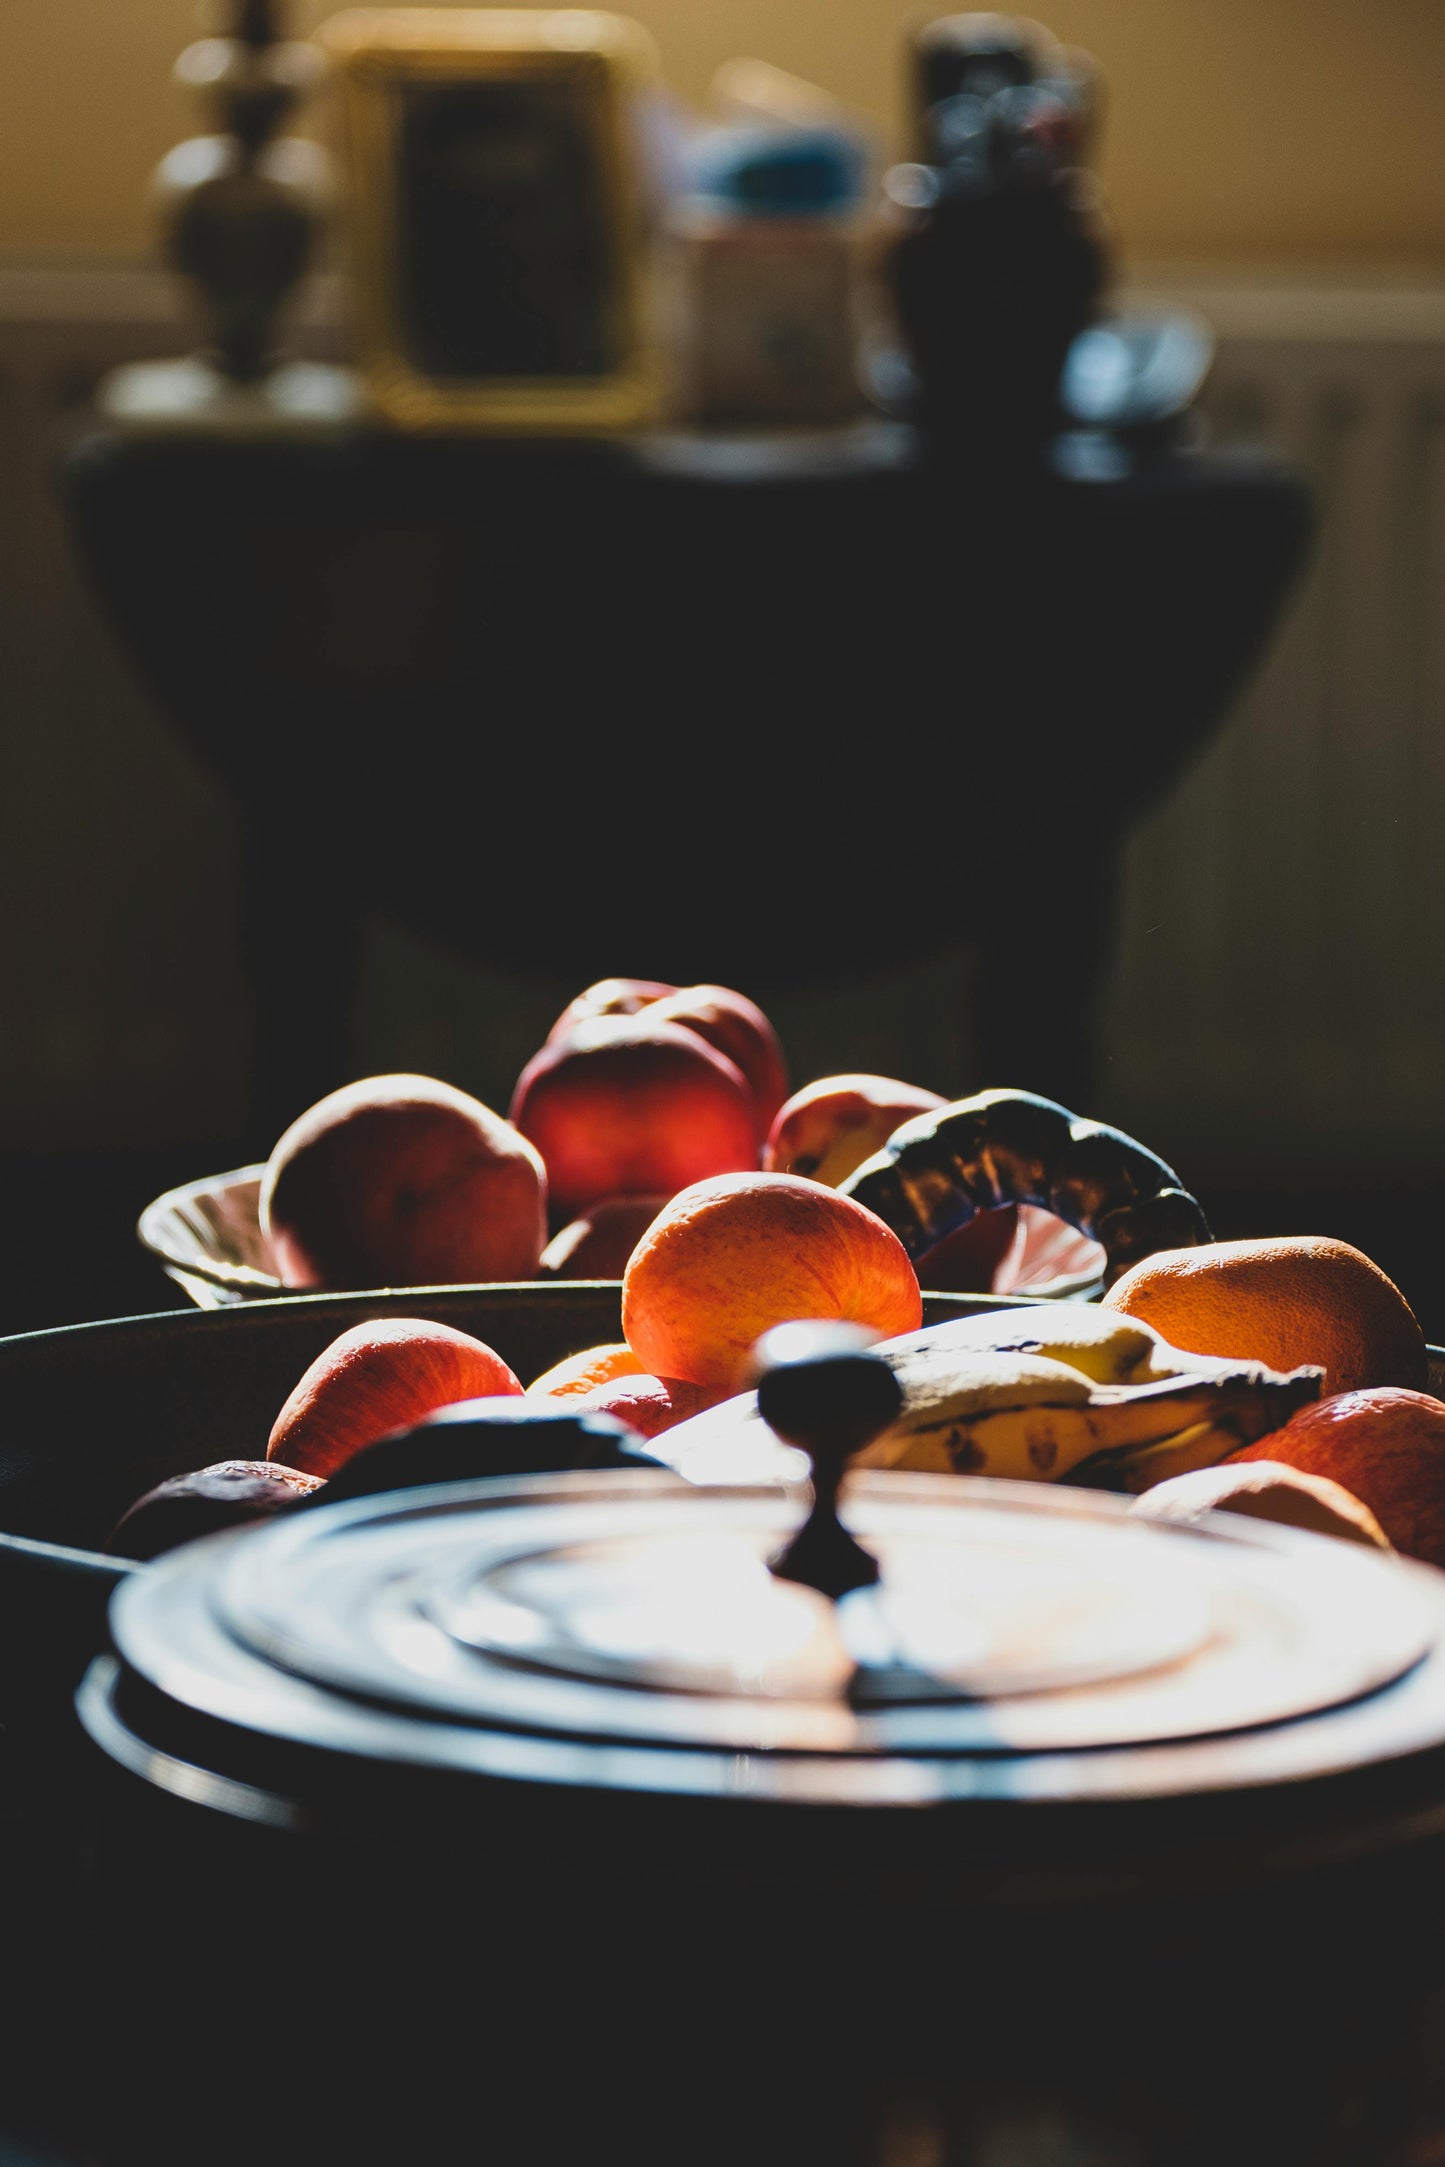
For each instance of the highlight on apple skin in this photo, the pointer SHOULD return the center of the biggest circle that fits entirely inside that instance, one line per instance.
(726, 1019)
(827, 1129)
(738, 1028)
(610, 997)
(625, 1106)
(378, 1377)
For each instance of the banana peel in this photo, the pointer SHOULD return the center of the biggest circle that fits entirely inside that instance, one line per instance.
(1119, 1432)
(1133, 1409)
(1062, 1391)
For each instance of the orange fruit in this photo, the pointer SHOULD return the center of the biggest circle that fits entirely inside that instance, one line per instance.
(1268, 1489)
(1285, 1300)
(1387, 1447)
(579, 1373)
(730, 1257)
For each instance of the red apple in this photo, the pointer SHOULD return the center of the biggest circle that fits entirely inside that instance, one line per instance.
(625, 1106)
(597, 1245)
(728, 1021)
(832, 1125)
(403, 1181)
(380, 1377)
(610, 997)
(737, 1027)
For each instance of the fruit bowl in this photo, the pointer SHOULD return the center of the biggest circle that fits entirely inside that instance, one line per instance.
(207, 1236)
(95, 1414)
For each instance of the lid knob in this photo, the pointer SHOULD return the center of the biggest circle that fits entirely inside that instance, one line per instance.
(820, 1388)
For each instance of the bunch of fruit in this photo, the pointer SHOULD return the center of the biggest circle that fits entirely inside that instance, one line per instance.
(640, 1089)
(657, 1119)
(720, 1263)
(1061, 1391)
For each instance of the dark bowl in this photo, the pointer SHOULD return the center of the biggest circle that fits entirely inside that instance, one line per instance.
(93, 1415)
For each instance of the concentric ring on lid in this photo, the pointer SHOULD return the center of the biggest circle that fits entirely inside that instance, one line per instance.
(632, 1611)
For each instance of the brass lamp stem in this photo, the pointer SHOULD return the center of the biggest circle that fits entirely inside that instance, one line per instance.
(240, 208)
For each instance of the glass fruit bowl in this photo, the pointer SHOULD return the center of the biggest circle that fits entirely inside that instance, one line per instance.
(207, 1236)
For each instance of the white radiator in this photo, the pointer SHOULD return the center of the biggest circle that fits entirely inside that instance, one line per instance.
(1280, 998)
(1281, 990)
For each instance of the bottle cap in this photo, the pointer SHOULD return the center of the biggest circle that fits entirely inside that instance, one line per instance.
(778, 172)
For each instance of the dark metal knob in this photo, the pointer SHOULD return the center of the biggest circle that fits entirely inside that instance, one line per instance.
(822, 1389)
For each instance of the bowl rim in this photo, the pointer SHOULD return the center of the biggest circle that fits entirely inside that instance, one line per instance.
(199, 1274)
(180, 1202)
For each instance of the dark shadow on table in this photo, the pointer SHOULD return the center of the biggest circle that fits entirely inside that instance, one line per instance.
(767, 712)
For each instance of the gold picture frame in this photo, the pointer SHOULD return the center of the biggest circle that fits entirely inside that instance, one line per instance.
(566, 347)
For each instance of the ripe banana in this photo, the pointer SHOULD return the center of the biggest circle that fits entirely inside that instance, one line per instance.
(1106, 1347)
(1060, 1391)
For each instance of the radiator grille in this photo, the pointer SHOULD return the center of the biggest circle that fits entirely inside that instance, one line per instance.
(1281, 987)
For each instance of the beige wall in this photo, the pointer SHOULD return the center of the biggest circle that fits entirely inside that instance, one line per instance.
(1297, 131)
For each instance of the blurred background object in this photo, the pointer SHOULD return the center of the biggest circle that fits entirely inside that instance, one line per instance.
(494, 214)
(761, 271)
(1138, 375)
(1271, 1025)
(240, 213)
(998, 261)
(761, 266)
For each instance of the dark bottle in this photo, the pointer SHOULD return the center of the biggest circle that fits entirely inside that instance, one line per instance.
(997, 260)
(975, 55)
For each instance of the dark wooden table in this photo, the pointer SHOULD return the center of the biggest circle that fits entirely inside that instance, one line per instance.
(772, 712)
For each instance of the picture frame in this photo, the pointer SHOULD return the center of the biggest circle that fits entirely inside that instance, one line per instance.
(496, 215)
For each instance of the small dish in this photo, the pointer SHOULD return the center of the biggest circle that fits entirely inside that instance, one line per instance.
(207, 1236)
(1050, 1260)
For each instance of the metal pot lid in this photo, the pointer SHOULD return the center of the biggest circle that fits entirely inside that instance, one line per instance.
(940, 1638)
